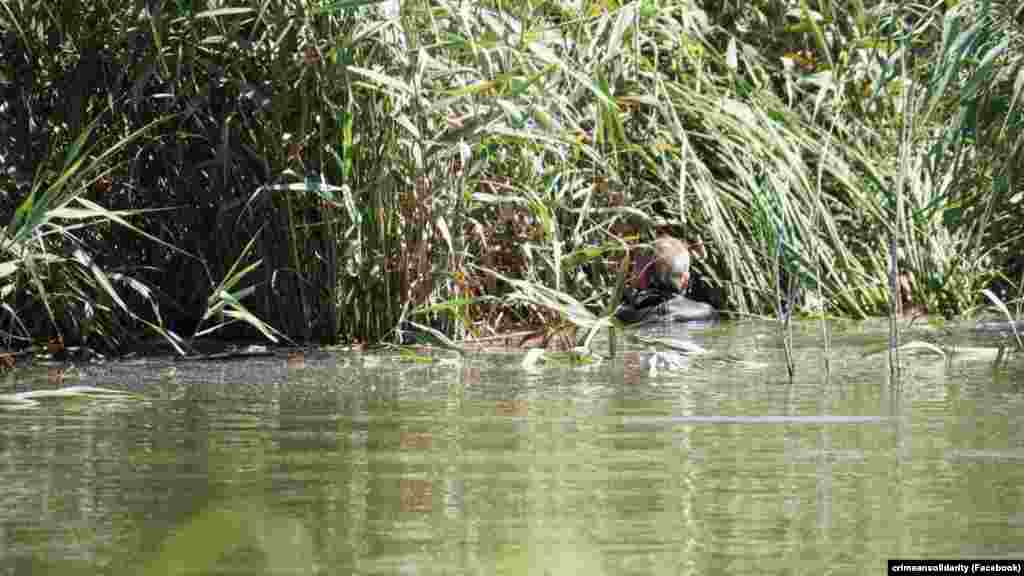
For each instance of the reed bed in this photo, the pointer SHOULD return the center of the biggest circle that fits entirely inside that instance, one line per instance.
(336, 171)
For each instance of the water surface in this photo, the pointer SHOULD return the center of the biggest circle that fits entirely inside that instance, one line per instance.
(347, 463)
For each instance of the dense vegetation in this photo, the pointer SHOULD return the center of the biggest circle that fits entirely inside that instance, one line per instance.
(324, 170)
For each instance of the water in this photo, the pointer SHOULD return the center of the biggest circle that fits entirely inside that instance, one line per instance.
(346, 463)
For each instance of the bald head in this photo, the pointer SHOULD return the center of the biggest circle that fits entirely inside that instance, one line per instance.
(672, 263)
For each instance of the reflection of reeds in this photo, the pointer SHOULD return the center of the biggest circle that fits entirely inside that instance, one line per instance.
(1001, 306)
(296, 360)
(55, 375)
(408, 440)
(516, 407)
(416, 494)
(8, 360)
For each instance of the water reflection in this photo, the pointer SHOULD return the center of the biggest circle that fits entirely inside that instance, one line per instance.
(333, 463)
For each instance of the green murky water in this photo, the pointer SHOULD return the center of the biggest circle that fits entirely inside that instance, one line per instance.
(373, 464)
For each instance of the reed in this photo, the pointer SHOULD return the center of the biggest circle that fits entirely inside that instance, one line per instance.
(424, 162)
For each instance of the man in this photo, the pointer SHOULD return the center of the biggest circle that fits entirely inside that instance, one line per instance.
(657, 294)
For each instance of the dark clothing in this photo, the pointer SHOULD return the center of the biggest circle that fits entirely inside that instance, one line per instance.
(646, 297)
(651, 299)
(651, 305)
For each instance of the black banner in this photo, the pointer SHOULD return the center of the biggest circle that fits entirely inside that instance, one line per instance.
(963, 566)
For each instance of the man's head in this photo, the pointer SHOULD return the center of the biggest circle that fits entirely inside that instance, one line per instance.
(672, 262)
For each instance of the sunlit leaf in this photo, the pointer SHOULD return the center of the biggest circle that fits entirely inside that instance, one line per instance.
(218, 12)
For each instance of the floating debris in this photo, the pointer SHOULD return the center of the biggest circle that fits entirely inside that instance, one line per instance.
(31, 398)
(661, 361)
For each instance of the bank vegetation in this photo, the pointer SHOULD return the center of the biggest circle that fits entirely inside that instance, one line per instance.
(328, 171)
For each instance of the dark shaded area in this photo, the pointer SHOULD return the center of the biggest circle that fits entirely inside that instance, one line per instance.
(199, 179)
